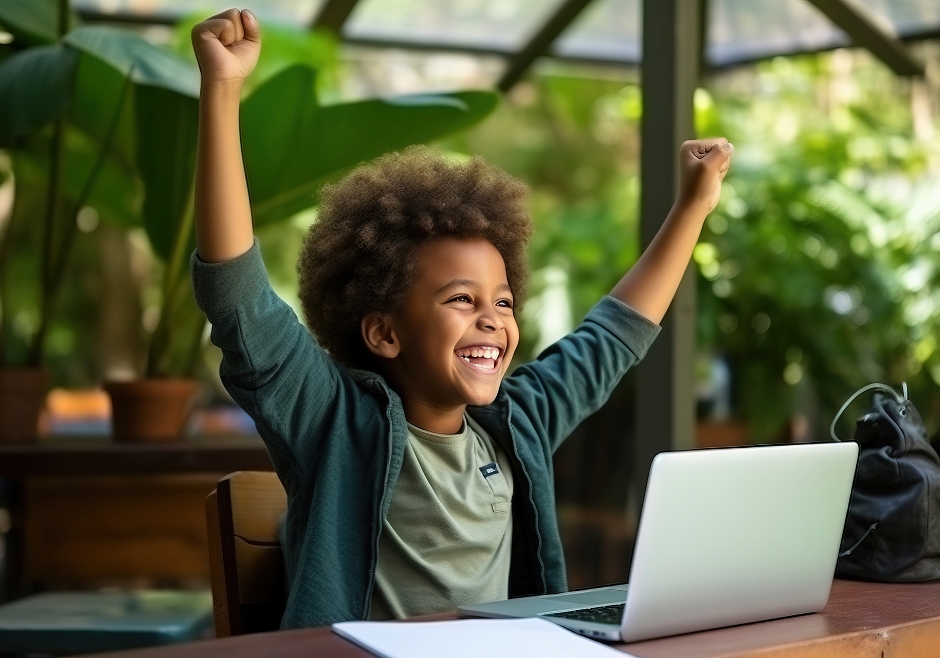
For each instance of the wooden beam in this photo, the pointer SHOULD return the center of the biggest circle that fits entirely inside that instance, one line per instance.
(333, 14)
(665, 402)
(867, 33)
(539, 44)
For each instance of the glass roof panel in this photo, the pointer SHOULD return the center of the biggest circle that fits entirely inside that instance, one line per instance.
(502, 25)
(741, 31)
(606, 30)
(383, 71)
(909, 17)
(285, 11)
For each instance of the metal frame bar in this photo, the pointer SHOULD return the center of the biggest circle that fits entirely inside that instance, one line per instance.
(865, 32)
(665, 402)
(540, 43)
(333, 15)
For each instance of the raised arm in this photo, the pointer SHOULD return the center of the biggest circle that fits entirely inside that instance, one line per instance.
(271, 365)
(227, 48)
(652, 282)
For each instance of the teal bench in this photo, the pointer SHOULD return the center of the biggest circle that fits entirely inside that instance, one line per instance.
(91, 622)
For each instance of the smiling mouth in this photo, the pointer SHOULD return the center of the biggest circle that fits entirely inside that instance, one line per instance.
(484, 359)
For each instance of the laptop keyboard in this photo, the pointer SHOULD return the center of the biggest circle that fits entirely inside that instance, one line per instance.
(604, 614)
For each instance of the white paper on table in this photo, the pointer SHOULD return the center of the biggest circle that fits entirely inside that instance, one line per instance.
(472, 638)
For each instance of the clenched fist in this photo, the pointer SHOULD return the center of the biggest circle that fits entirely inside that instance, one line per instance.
(227, 46)
(702, 166)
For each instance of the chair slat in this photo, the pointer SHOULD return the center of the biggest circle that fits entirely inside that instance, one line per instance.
(260, 572)
(220, 606)
(246, 560)
(258, 501)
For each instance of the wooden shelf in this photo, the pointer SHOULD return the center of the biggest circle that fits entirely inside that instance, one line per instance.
(67, 455)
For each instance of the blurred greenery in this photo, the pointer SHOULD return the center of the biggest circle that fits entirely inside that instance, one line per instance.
(817, 273)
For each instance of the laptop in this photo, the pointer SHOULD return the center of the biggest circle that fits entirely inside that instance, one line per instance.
(727, 536)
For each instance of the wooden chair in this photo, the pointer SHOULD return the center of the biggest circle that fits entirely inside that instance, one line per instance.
(245, 559)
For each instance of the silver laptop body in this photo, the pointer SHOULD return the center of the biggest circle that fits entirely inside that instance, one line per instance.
(727, 536)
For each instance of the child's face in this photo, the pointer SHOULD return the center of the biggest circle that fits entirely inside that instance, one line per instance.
(456, 326)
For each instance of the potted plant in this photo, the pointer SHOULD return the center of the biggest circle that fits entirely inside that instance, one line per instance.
(36, 89)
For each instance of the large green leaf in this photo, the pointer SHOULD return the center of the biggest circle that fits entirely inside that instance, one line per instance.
(35, 88)
(33, 21)
(156, 132)
(133, 55)
(95, 99)
(167, 123)
(110, 56)
(292, 144)
(115, 192)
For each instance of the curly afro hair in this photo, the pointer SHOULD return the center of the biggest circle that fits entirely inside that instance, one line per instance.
(359, 258)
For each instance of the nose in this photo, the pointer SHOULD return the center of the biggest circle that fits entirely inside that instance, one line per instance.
(490, 320)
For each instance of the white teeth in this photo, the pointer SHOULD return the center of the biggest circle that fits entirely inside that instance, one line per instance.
(476, 352)
(478, 365)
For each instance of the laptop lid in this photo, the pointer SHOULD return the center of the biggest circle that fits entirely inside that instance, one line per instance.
(736, 535)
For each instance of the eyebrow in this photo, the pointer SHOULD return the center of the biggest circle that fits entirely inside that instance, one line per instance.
(469, 283)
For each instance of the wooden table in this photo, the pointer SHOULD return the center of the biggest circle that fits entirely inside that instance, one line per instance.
(862, 620)
(93, 460)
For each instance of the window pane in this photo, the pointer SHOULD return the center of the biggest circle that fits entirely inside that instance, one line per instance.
(743, 30)
(908, 16)
(493, 24)
(375, 72)
(606, 30)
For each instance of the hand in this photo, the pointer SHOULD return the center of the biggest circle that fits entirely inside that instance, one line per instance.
(702, 166)
(227, 46)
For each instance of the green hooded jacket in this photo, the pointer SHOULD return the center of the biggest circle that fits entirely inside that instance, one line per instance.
(336, 436)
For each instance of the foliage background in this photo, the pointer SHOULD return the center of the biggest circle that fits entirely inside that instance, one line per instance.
(817, 274)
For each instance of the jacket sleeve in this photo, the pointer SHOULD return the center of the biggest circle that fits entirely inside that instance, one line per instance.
(271, 365)
(572, 378)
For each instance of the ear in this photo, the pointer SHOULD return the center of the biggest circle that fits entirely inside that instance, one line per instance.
(379, 335)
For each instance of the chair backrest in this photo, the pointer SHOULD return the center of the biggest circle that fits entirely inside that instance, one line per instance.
(245, 559)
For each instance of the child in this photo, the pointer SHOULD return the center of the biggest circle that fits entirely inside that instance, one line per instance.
(418, 477)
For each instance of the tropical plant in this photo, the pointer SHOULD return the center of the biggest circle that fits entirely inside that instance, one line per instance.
(820, 269)
(292, 145)
(36, 87)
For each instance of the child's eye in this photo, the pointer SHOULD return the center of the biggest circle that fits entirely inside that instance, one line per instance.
(505, 302)
(461, 298)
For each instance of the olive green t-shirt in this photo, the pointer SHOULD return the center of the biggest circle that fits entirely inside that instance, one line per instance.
(448, 535)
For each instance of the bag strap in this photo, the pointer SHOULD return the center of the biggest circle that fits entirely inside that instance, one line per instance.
(900, 399)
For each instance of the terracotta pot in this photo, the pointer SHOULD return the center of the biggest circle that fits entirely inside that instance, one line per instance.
(22, 397)
(150, 409)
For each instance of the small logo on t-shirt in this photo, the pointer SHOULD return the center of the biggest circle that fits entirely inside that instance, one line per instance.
(489, 469)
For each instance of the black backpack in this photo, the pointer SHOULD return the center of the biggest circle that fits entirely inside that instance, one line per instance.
(892, 530)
